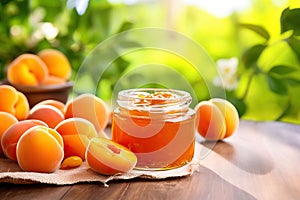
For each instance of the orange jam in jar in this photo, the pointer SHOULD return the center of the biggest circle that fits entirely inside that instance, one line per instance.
(157, 125)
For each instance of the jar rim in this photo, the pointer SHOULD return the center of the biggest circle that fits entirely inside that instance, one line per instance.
(131, 99)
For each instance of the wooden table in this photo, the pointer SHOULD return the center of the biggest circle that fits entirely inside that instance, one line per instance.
(261, 161)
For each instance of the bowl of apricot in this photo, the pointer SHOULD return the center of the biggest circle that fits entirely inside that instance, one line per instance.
(36, 94)
(41, 76)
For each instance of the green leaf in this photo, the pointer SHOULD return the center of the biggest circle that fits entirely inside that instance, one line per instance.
(292, 81)
(252, 54)
(289, 20)
(4, 2)
(276, 85)
(239, 104)
(129, 44)
(125, 26)
(295, 46)
(257, 29)
(281, 70)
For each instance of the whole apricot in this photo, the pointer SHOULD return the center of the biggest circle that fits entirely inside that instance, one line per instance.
(57, 63)
(12, 135)
(13, 102)
(6, 121)
(210, 122)
(230, 113)
(216, 119)
(90, 107)
(76, 133)
(27, 69)
(108, 157)
(46, 113)
(52, 102)
(40, 149)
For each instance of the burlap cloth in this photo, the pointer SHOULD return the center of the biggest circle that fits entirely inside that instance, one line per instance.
(11, 173)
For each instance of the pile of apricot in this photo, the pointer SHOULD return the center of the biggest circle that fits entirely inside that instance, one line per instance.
(54, 135)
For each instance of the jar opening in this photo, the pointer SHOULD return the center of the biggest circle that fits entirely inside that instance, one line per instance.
(154, 99)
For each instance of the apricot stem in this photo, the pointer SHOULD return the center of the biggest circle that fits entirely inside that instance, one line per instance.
(285, 110)
(248, 85)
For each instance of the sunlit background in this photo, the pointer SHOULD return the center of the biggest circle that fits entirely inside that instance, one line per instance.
(78, 26)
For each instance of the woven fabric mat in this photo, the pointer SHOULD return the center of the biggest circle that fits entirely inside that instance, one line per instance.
(10, 172)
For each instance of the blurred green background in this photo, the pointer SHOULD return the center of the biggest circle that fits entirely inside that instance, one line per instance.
(262, 34)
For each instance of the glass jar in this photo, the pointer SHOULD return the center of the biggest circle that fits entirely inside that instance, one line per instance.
(157, 125)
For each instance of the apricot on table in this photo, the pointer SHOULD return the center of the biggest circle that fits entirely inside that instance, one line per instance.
(12, 135)
(211, 122)
(216, 119)
(46, 113)
(40, 149)
(27, 69)
(6, 121)
(13, 102)
(57, 63)
(108, 157)
(76, 133)
(90, 107)
(230, 113)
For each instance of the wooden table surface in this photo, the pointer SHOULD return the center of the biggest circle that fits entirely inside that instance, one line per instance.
(261, 161)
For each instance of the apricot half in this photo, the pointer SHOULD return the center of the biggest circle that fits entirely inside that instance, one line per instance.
(76, 133)
(46, 113)
(216, 119)
(108, 157)
(90, 107)
(27, 69)
(13, 102)
(40, 149)
(12, 135)
(6, 121)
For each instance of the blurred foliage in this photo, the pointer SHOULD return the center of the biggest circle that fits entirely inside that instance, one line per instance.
(282, 78)
(265, 38)
(23, 30)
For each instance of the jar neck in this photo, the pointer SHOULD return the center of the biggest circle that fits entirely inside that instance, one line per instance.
(154, 102)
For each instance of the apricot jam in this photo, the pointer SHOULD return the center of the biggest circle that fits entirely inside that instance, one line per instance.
(157, 125)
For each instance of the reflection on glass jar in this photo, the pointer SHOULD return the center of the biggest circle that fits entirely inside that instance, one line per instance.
(157, 125)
